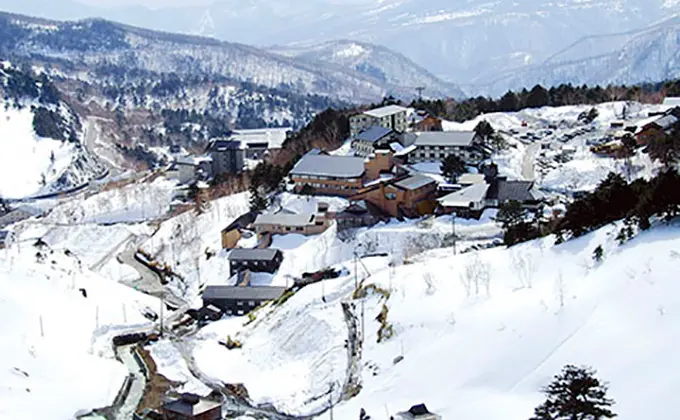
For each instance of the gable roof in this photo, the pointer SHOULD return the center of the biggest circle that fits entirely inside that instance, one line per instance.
(473, 194)
(283, 219)
(444, 138)
(242, 221)
(414, 182)
(504, 190)
(386, 111)
(243, 293)
(186, 407)
(329, 166)
(373, 134)
(256, 254)
(4, 235)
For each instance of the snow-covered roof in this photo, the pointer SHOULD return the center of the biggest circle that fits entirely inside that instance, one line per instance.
(444, 138)
(672, 101)
(373, 134)
(191, 408)
(273, 137)
(405, 150)
(386, 111)
(471, 179)
(329, 166)
(414, 182)
(282, 219)
(472, 194)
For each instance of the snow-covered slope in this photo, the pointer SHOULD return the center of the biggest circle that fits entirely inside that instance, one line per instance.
(463, 41)
(649, 55)
(56, 358)
(31, 164)
(375, 61)
(103, 44)
(480, 333)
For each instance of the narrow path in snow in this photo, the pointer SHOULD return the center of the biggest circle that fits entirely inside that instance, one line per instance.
(135, 391)
(354, 345)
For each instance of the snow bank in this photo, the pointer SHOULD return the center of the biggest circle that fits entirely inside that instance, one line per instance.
(59, 337)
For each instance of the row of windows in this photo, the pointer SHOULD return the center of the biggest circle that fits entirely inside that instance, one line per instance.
(249, 263)
(331, 187)
(251, 303)
(327, 178)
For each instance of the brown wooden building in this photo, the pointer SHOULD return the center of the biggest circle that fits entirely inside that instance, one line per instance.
(192, 407)
(411, 196)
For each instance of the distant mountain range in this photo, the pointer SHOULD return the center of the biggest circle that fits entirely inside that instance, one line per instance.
(473, 43)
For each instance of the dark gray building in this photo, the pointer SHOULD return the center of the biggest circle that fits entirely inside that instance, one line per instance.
(227, 156)
(235, 300)
(266, 260)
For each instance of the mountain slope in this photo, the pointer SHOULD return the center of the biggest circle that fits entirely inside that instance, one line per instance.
(648, 55)
(41, 152)
(97, 42)
(463, 41)
(374, 61)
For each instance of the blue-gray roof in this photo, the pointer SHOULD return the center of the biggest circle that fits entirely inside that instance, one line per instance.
(373, 134)
(445, 138)
(257, 254)
(243, 293)
(330, 166)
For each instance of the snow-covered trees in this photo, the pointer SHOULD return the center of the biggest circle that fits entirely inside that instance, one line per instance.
(575, 394)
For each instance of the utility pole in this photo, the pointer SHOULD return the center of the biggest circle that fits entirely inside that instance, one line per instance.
(356, 285)
(453, 231)
(420, 91)
(330, 399)
(161, 314)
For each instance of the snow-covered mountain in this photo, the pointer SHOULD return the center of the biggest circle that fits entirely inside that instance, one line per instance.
(41, 150)
(375, 61)
(648, 55)
(97, 44)
(467, 42)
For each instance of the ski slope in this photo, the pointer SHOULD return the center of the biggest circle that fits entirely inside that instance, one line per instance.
(480, 333)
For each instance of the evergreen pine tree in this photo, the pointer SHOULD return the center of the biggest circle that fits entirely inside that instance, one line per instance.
(575, 394)
(258, 201)
(452, 167)
(598, 253)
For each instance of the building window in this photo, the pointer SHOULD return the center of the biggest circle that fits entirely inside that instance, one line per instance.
(240, 312)
(298, 229)
(391, 196)
(239, 303)
(251, 303)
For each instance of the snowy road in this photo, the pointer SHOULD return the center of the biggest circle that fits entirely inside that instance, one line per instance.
(137, 382)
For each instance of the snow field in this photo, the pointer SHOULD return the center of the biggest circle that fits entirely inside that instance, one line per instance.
(25, 157)
(58, 336)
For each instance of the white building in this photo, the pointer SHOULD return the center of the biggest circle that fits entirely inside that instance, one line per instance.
(437, 145)
(671, 101)
(393, 117)
(258, 141)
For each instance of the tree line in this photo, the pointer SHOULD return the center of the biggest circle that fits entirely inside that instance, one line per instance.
(539, 96)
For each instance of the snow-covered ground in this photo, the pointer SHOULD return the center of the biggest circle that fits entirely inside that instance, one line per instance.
(182, 241)
(133, 203)
(480, 333)
(25, 158)
(57, 359)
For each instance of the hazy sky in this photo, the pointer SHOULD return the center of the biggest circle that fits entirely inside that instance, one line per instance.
(154, 4)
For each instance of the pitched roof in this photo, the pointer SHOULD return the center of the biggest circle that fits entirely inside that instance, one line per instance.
(283, 219)
(462, 198)
(187, 408)
(504, 190)
(373, 134)
(243, 293)
(414, 182)
(242, 221)
(329, 166)
(257, 254)
(469, 179)
(386, 111)
(445, 138)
